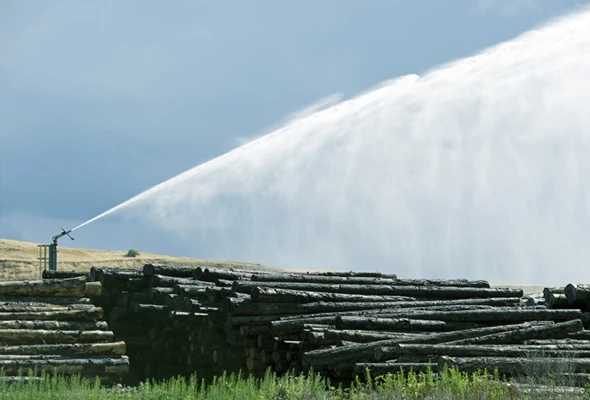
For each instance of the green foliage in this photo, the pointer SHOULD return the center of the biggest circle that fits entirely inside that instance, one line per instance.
(132, 253)
(447, 384)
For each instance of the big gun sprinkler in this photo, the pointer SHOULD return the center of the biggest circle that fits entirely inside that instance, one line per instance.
(51, 258)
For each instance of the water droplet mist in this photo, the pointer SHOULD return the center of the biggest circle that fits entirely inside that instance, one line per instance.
(477, 169)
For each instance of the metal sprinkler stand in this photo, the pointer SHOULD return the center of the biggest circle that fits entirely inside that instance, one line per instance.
(52, 259)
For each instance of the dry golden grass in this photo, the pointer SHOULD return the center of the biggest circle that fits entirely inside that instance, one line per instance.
(18, 260)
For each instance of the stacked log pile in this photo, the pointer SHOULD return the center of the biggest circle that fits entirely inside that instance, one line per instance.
(159, 312)
(182, 320)
(51, 326)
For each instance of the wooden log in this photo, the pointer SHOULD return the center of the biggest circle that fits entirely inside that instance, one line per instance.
(140, 284)
(449, 305)
(432, 292)
(150, 311)
(354, 274)
(93, 289)
(168, 270)
(284, 328)
(367, 351)
(60, 301)
(557, 301)
(248, 307)
(322, 279)
(48, 274)
(191, 291)
(366, 280)
(107, 275)
(490, 315)
(272, 295)
(71, 366)
(577, 294)
(580, 335)
(157, 295)
(103, 349)
(17, 307)
(556, 331)
(91, 314)
(216, 274)
(552, 290)
(362, 336)
(443, 282)
(534, 301)
(489, 351)
(53, 336)
(361, 274)
(398, 324)
(169, 281)
(72, 287)
(556, 342)
(55, 325)
(515, 366)
(317, 338)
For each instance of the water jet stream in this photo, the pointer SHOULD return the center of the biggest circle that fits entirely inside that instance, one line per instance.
(479, 168)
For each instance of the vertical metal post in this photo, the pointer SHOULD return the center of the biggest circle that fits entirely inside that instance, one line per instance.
(53, 257)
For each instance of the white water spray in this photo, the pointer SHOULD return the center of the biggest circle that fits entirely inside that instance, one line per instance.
(478, 169)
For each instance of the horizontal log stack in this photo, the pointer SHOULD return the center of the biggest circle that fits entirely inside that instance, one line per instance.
(52, 326)
(182, 320)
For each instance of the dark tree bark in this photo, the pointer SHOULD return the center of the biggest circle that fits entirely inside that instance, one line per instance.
(399, 324)
(47, 274)
(556, 331)
(557, 301)
(93, 289)
(577, 294)
(55, 325)
(247, 307)
(364, 336)
(38, 336)
(431, 292)
(110, 276)
(72, 287)
(17, 307)
(92, 314)
(90, 366)
(443, 282)
(191, 291)
(169, 281)
(216, 274)
(272, 295)
(59, 301)
(356, 274)
(492, 315)
(321, 279)
(552, 290)
(98, 349)
(168, 270)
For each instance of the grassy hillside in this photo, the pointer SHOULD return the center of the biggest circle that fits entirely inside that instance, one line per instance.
(18, 260)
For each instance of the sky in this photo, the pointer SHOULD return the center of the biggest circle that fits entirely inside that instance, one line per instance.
(102, 100)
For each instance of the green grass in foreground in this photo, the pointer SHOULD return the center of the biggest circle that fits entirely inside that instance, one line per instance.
(450, 384)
